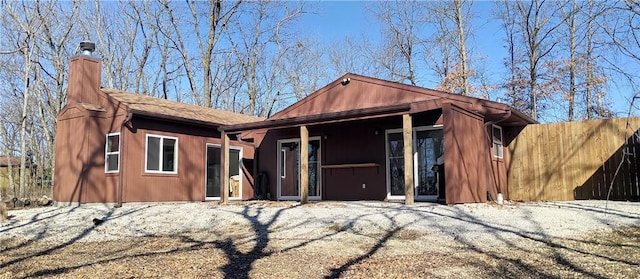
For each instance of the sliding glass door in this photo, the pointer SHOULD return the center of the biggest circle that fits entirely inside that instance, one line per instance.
(428, 163)
(212, 183)
(289, 169)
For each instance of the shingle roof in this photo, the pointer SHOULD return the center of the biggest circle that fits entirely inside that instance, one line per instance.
(151, 106)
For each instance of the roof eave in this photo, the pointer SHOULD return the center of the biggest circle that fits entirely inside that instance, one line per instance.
(317, 118)
(174, 118)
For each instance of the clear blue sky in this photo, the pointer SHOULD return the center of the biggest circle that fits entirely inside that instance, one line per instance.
(335, 20)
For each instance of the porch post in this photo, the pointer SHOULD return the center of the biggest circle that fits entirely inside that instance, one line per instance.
(304, 164)
(407, 133)
(224, 172)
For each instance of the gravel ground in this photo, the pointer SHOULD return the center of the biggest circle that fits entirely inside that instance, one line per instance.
(483, 223)
(331, 239)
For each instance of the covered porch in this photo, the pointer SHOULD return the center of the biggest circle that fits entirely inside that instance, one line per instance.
(361, 155)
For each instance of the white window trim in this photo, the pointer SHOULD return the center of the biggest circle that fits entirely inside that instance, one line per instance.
(415, 161)
(240, 163)
(493, 142)
(107, 153)
(146, 151)
(319, 162)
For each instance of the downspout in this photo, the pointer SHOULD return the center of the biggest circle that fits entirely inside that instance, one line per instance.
(126, 120)
(486, 125)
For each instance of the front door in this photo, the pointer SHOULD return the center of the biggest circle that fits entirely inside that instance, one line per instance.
(428, 163)
(289, 169)
(212, 183)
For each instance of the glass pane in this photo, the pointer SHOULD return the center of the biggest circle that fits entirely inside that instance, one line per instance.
(396, 146)
(314, 170)
(314, 147)
(168, 155)
(113, 143)
(213, 171)
(234, 162)
(234, 173)
(153, 153)
(112, 162)
(283, 164)
(497, 150)
(396, 176)
(497, 134)
(430, 160)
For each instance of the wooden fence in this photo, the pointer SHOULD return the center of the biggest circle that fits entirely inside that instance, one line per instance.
(576, 160)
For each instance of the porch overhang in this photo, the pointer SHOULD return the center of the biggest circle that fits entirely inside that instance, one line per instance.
(490, 110)
(316, 119)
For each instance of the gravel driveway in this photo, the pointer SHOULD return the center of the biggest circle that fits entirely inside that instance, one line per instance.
(483, 223)
(324, 239)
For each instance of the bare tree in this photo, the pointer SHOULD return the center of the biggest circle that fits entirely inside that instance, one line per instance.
(531, 29)
(402, 24)
(27, 25)
(261, 38)
(451, 20)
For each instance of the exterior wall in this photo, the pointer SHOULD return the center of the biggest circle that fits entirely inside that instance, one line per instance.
(498, 181)
(79, 171)
(189, 182)
(352, 97)
(466, 168)
(343, 143)
(70, 156)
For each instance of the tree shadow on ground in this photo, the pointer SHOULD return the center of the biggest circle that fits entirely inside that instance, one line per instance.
(90, 227)
(389, 234)
(538, 236)
(264, 224)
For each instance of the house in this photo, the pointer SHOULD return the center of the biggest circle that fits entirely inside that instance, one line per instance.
(115, 147)
(346, 141)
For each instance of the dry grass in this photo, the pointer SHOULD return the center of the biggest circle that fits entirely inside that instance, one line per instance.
(197, 255)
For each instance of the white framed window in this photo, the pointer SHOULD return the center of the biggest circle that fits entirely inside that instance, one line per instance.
(112, 153)
(161, 154)
(496, 137)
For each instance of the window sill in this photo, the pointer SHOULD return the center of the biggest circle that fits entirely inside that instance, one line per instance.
(160, 174)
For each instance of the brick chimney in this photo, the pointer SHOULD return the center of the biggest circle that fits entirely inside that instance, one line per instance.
(84, 76)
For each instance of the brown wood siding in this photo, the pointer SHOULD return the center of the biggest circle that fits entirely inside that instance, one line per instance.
(466, 169)
(352, 97)
(189, 182)
(84, 80)
(97, 188)
(575, 160)
(70, 159)
(79, 170)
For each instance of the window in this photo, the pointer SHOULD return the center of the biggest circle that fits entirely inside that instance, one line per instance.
(283, 163)
(112, 153)
(162, 154)
(497, 141)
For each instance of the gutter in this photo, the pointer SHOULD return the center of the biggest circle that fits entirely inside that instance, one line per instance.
(126, 120)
